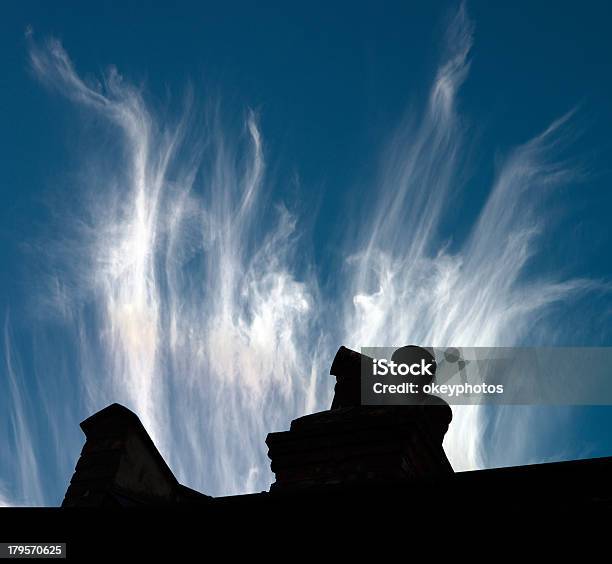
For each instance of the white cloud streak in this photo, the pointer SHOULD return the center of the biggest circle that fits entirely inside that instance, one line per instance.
(26, 483)
(201, 323)
(407, 287)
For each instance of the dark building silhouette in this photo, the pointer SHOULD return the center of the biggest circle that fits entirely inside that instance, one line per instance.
(349, 454)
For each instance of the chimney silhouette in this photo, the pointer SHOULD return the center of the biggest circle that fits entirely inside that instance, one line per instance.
(353, 443)
(120, 466)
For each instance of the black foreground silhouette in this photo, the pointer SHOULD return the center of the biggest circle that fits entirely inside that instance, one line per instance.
(351, 453)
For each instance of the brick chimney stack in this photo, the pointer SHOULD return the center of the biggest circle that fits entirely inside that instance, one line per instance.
(356, 444)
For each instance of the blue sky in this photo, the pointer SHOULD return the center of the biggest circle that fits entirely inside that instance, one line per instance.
(266, 182)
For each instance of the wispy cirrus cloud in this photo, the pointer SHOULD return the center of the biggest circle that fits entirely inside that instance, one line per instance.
(25, 487)
(190, 296)
(195, 304)
(407, 286)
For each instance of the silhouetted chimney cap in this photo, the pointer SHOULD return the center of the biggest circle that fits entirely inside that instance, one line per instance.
(112, 418)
